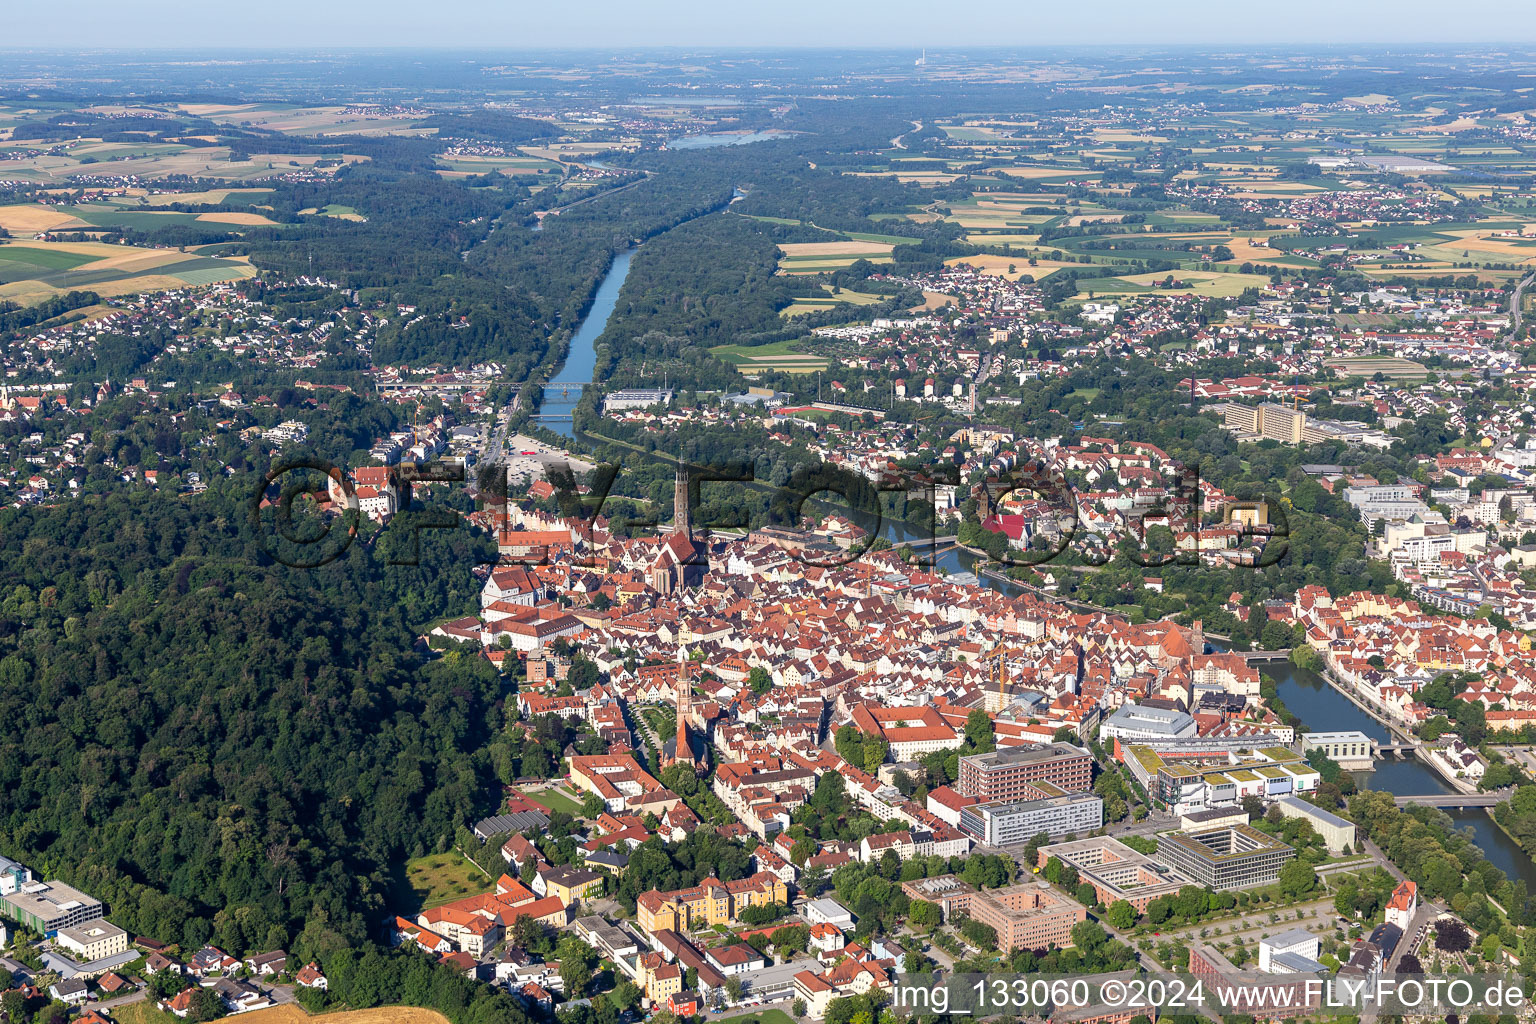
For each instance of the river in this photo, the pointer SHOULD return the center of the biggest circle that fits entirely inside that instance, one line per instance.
(1321, 707)
(564, 389)
(713, 139)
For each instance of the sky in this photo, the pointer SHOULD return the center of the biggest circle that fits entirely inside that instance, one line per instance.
(607, 24)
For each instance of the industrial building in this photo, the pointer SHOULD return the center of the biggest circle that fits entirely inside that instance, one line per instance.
(48, 906)
(1224, 859)
(636, 398)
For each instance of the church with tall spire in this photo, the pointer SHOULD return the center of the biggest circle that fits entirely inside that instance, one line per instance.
(681, 560)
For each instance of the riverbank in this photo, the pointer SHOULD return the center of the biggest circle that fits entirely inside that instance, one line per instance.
(1318, 701)
(1396, 731)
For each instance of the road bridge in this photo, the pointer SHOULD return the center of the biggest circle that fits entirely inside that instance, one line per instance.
(1453, 801)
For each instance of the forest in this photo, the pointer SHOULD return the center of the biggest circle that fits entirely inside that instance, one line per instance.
(220, 748)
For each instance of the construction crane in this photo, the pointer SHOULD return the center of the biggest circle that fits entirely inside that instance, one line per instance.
(997, 697)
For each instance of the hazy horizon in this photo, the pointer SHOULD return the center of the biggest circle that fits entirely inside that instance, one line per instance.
(483, 25)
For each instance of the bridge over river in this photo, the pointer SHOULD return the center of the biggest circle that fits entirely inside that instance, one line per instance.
(1453, 800)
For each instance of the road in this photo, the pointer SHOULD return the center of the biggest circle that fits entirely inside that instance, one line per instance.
(1515, 303)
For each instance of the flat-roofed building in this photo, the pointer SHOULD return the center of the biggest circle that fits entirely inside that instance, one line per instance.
(48, 906)
(1337, 834)
(1006, 774)
(1350, 749)
(1212, 817)
(1297, 941)
(1004, 823)
(949, 893)
(1115, 871)
(636, 398)
(1223, 859)
(1028, 916)
(1134, 723)
(93, 940)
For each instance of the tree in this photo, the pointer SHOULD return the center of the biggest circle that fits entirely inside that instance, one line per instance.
(979, 736)
(576, 962)
(797, 1008)
(1297, 879)
(733, 988)
(1088, 935)
(1452, 937)
(1121, 915)
(759, 681)
(925, 916)
(205, 1005)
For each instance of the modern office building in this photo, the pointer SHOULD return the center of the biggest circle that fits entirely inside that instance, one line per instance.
(1006, 774)
(1115, 871)
(1006, 822)
(1337, 833)
(1224, 859)
(1027, 916)
(1133, 723)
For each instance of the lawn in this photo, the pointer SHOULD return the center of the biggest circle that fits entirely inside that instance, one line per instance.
(441, 877)
(555, 800)
(142, 1013)
(766, 1017)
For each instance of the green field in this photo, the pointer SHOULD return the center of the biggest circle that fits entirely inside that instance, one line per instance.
(438, 878)
(52, 259)
(30, 273)
(766, 1017)
(780, 355)
(556, 800)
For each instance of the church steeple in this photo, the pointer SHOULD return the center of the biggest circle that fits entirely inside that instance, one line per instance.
(684, 695)
(682, 516)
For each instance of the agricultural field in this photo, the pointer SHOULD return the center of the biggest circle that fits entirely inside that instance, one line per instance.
(818, 257)
(31, 272)
(91, 157)
(466, 166)
(291, 119)
(1215, 284)
(335, 210)
(781, 355)
(803, 304)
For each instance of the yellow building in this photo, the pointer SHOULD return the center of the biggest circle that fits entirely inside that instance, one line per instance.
(570, 884)
(712, 903)
(658, 979)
